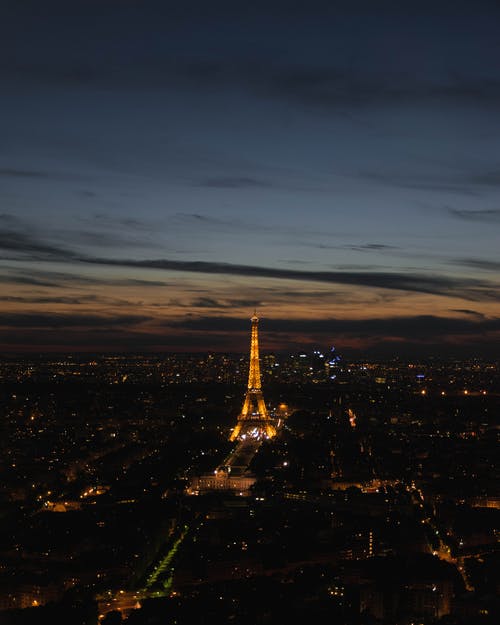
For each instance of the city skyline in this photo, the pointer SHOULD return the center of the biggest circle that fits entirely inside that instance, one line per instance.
(164, 171)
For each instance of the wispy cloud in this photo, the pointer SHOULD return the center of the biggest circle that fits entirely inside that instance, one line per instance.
(14, 241)
(102, 220)
(106, 239)
(199, 218)
(479, 263)
(421, 182)
(217, 304)
(235, 182)
(481, 215)
(488, 178)
(27, 280)
(29, 246)
(23, 173)
(371, 247)
(356, 247)
(20, 239)
(70, 301)
(59, 279)
(335, 86)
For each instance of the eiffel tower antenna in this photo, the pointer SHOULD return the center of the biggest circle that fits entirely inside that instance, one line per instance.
(254, 420)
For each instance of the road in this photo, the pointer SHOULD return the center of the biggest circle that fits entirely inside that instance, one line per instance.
(240, 458)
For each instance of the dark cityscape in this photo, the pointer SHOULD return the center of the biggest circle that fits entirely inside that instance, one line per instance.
(373, 497)
(249, 312)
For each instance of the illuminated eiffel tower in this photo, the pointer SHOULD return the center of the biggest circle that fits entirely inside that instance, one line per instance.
(254, 420)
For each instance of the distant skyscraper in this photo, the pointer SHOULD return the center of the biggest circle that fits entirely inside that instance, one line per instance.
(254, 420)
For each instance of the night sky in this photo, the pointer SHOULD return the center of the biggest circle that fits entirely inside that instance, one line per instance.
(165, 167)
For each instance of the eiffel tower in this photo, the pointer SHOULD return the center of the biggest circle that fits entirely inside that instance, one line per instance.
(254, 420)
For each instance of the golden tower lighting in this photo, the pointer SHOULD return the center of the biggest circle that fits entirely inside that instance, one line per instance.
(254, 420)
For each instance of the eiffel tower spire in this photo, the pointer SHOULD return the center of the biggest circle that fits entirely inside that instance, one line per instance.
(254, 420)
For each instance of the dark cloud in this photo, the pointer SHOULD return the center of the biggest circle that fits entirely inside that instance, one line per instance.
(485, 215)
(489, 178)
(235, 182)
(42, 175)
(28, 281)
(479, 263)
(56, 279)
(372, 247)
(423, 327)
(41, 320)
(81, 299)
(466, 311)
(195, 217)
(362, 247)
(135, 224)
(107, 221)
(467, 288)
(412, 335)
(72, 279)
(21, 241)
(462, 183)
(209, 302)
(206, 220)
(63, 72)
(136, 282)
(422, 182)
(104, 239)
(376, 246)
(245, 303)
(334, 86)
(9, 220)
(339, 85)
(112, 339)
(30, 245)
(205, 302)
(23, 173)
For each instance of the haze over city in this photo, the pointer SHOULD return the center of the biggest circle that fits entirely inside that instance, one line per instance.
(167, 168)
